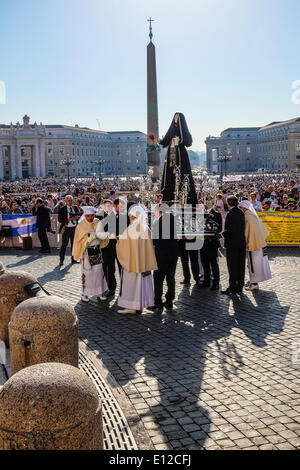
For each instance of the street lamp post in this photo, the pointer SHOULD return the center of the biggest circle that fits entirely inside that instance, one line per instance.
(100, 163)
(224, 159)
(68, 162)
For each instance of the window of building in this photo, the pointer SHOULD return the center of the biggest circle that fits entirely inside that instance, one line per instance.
(297, 146)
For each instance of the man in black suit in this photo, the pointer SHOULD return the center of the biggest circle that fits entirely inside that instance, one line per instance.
(42, 214)
(166, 252)
(109, 221)
(122, 220)
(235, 244)
(209, 252)
(185, 256)
(68, 217)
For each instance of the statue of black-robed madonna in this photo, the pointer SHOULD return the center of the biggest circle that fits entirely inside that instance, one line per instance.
(176, 139)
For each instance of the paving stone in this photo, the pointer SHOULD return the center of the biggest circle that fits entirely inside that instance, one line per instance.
(284, 419)
(266, 432)
(217, 435)
(295, 442)
(225, 443)
(267, 447)
(187, 441)
(164, 446)
(285, 446)
(293, 426)
(151, 425)
(227, 428)
(191, 427)
(167, 421)
(176, 444)
(288, 434)
(177, 434)
(242, 443)
(170, 428)
(202, 420)
(275, 439)
(158, 440)
(185, 420)
(234, 435)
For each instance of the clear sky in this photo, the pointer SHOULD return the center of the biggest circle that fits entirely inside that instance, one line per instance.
(222, 63)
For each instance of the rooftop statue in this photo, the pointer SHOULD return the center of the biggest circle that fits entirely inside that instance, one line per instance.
(26, 120)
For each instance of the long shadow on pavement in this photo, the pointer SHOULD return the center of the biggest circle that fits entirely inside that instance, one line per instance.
(159, 359)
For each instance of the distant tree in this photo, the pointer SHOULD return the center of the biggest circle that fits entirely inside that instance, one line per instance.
(197, 158)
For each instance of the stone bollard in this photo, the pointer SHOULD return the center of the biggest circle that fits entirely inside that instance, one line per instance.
(15, 286)
(2, 269)
(43, 329)
(50, 407)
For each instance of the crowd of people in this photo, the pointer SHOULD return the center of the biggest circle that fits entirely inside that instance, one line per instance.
(268, 198)
(105, 231)
(266, 194)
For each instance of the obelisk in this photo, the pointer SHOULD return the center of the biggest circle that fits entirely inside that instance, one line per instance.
(152, 108)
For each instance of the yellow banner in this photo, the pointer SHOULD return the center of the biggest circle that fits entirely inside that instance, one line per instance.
(284, 227)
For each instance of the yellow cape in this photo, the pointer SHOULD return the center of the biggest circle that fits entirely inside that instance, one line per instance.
(81, 237)
(135, 250)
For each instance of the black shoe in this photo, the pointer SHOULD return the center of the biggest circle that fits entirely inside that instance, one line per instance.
(156, 308)
(215, 287)
(74, 262)
(168, 305)
(184, 282)
(110, 293)
(45, 251)
(203, 285)
(239, 291)
(228, 292)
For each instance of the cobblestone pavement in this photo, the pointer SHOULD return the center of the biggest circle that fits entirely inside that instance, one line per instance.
(215, 373)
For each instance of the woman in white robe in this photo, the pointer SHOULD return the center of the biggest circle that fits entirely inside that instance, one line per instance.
(255, 234)
(136, 255)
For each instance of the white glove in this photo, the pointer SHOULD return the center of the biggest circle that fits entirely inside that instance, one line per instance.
(102, 235)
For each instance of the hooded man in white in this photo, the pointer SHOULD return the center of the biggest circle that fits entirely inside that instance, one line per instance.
(255, 234)
(89, 234)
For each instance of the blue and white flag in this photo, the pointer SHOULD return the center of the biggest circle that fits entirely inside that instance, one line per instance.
(22, 224)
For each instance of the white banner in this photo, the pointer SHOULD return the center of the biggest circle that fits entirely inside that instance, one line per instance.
(232, 178)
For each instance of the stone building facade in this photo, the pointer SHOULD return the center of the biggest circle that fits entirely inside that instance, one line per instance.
(31, 150)
(272, 147)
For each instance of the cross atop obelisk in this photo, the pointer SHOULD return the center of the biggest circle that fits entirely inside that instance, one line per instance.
(152, 108)
(150, 33)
